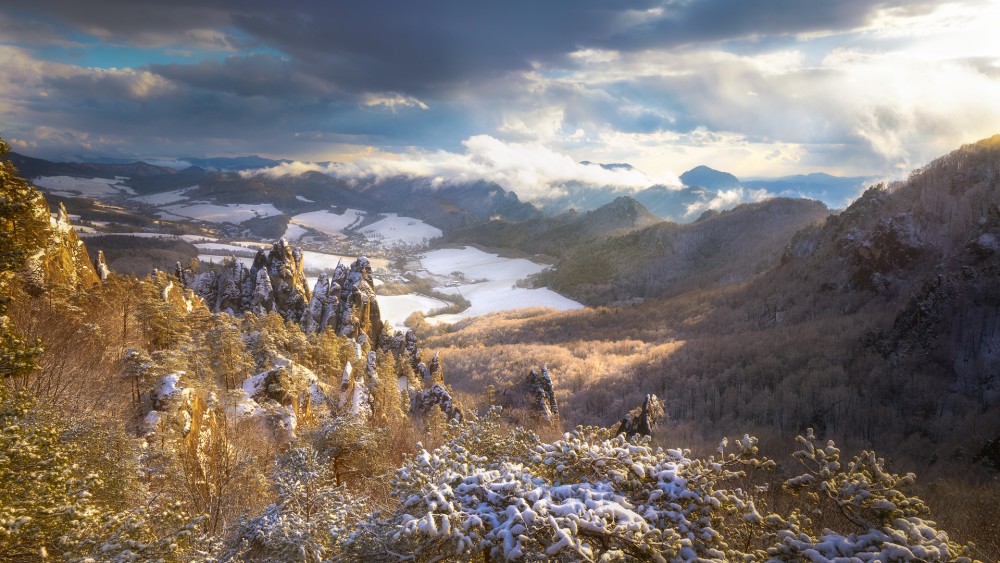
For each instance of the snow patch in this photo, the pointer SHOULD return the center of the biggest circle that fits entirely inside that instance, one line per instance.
(169, 386)
(213, 213)
(83, 187)
(328, 222)
(496, 290)
(165, 198)
(396, 308)
(395, 230)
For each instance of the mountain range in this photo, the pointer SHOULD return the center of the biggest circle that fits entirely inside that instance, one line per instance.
(447, 206)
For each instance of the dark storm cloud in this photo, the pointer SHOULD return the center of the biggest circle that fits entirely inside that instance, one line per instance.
(421, 47)
(718, 20)
(252, 75)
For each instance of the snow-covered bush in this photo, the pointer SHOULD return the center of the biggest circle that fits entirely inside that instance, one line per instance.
(306, 522)
(889, 524)
(592, 496)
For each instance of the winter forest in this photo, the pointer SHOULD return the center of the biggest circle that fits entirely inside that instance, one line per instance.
(235, 413)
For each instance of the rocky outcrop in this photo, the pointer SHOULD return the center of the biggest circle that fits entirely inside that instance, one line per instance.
(893, 245)
(323, 306)
(424, 402)
(224, 290)
(355, 392)
(60, 257)
(535, 396)
(405, 346)
(274, 283)
(186, 275)
(358, 309)
(346, 303)
(288, 395)
(101, 266)
(66, 260)
(641, 420)
(282, 268)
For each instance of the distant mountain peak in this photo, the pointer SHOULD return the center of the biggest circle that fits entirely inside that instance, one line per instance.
(622, 212)
(705, 177)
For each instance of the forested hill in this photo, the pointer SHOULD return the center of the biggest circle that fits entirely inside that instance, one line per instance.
(239, 415)
(666, 259)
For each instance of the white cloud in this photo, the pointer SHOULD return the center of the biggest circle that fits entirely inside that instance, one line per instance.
(391, 101)
(532, 170)
(884, 99)
(727, 199)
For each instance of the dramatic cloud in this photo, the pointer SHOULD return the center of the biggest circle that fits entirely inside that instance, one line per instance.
(531, 170)
(727, 199)
(758, 88)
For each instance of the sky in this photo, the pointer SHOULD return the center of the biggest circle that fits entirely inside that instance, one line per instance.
(519, 91)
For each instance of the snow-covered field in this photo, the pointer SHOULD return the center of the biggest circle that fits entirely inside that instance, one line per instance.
(165, 197)
(198, 238)
(476, 264)
(393, 229)
(68, 186)
(223, 249)
(493, 296)
(85, 231)
(214, 213)
(294, 232)
(326, 221)
(395, 308)
(498, 292)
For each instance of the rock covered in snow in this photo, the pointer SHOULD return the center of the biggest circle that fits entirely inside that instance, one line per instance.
(289, 293)
(294, 388)
(357, 309)
(355, 391)
(323, 305)
(540, 386)
(641, 420)
(422, 403)
(406, 347)
(274, 283)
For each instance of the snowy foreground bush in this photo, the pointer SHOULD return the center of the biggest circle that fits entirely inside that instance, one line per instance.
(489, 493)
(591, 496)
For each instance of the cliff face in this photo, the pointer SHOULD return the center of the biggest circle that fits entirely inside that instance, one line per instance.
(55, 255)
(283, 268)
(65, 260)
(897, 239)
(44, 251)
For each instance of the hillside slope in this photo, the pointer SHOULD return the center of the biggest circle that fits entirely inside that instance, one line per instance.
(556, 236)
(668, 259)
